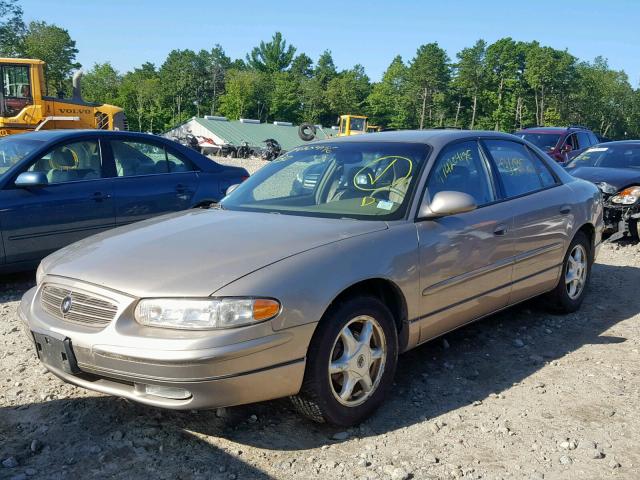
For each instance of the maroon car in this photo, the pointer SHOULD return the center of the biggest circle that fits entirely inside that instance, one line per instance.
(561, 143)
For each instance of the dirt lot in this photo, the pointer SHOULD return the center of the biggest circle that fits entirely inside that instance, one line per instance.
(522, 394)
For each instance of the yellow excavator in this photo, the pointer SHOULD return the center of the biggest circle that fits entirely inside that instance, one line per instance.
(347, 125)
(24, 106)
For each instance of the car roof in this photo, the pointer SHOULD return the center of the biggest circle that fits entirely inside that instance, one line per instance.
(52, 135)
(435, 137)
(552, 129)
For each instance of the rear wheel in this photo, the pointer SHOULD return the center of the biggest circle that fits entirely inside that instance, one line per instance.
(351, 363)
(576, 270)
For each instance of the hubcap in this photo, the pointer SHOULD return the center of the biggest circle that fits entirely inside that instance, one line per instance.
(357, 361)
(576, 274)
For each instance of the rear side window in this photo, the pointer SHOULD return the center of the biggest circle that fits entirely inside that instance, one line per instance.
(519, 171)
(134, 158)
(460, 168)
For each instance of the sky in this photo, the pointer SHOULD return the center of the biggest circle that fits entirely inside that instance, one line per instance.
(128, 33)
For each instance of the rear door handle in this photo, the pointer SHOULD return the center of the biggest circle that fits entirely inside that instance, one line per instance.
(500, 230)
(565, 209)
(99, 196)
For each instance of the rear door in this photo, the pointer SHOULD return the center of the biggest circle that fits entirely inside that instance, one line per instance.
(77, 202)
(541, 213)
(465, 259)
(151, 179)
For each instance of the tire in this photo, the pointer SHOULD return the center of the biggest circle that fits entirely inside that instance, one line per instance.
(319, 398)
(563, 299)
(307, 132)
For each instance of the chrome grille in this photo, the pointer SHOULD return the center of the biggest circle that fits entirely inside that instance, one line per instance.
(85, 309)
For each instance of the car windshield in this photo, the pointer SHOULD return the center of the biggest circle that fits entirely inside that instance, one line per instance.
(13, 150)
(609, 156)
(544, 141)
(358, 180)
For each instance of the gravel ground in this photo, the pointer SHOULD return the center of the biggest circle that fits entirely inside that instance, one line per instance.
(522, 394)
(252, 165)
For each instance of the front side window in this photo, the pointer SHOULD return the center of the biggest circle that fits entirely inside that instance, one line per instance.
(460, 168)
(373, 180)
(71, 162)
(14, 149)
(135, 158)
(16, 89)
(519, 171)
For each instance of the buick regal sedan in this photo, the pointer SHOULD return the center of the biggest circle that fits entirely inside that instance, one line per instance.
(57, 187)
(313, 275)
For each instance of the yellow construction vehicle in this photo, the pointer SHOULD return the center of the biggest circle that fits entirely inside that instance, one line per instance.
(24, 106)
(347, 125)
(355, 125)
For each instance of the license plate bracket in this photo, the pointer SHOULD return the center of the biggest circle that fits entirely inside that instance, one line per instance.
(55, 352)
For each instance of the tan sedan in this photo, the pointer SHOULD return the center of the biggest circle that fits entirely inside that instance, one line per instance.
(313, 276)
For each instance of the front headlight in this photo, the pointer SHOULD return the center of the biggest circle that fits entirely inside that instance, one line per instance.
(628, 196)
(205, 314)
(39, 274)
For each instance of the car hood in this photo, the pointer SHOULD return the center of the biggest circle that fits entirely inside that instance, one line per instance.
(197, 252)
(618, 177)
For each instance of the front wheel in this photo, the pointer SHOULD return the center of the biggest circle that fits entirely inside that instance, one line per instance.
(351, 363)
(576, 271)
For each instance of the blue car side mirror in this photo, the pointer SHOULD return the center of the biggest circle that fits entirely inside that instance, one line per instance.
(31, 179)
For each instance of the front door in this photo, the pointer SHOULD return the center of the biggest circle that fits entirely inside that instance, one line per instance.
(151, 180)
(77, 202)
(465, 259)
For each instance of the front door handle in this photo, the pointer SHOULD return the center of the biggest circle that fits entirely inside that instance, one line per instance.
(99, 196)
(500, 230)
(565, 209)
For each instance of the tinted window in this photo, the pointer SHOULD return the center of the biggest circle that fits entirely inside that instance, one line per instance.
(134, 158)
(71, 162)
(583, 140)
(573, 141)
(460, 168)
(592, 138)
(519, 171)
(546, 176)
(621, 155)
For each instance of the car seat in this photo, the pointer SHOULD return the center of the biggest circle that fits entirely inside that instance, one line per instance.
(64, 167)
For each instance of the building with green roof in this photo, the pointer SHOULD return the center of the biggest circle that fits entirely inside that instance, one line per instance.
(235, 132)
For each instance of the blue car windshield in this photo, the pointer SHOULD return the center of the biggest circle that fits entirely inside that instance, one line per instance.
(612, 155)
(14, 149)
(361, 180)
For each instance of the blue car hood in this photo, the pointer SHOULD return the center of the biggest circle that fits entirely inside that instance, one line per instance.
(618, 177)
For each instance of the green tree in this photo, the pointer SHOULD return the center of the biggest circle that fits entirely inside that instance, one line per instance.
(102, 84)
(141, 99)
(285, 101)
(429, 76)
(273, 56)
(182, 80)
(388, 102)
(240, 93)
(217, 63)
(347, 93)
(470, 76)
(302, 65)
(55, 47)
(12, 28)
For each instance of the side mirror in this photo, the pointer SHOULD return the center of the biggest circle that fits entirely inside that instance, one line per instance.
(231, 188)
(447, 203)
(31, 179)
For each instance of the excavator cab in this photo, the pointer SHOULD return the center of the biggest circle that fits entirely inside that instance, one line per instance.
(352, 125)
(15, 91)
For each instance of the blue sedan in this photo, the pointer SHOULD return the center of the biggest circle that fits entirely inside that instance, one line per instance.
(57, 187)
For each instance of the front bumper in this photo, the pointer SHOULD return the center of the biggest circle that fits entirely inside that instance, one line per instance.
(617, 217)
(216, 368)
